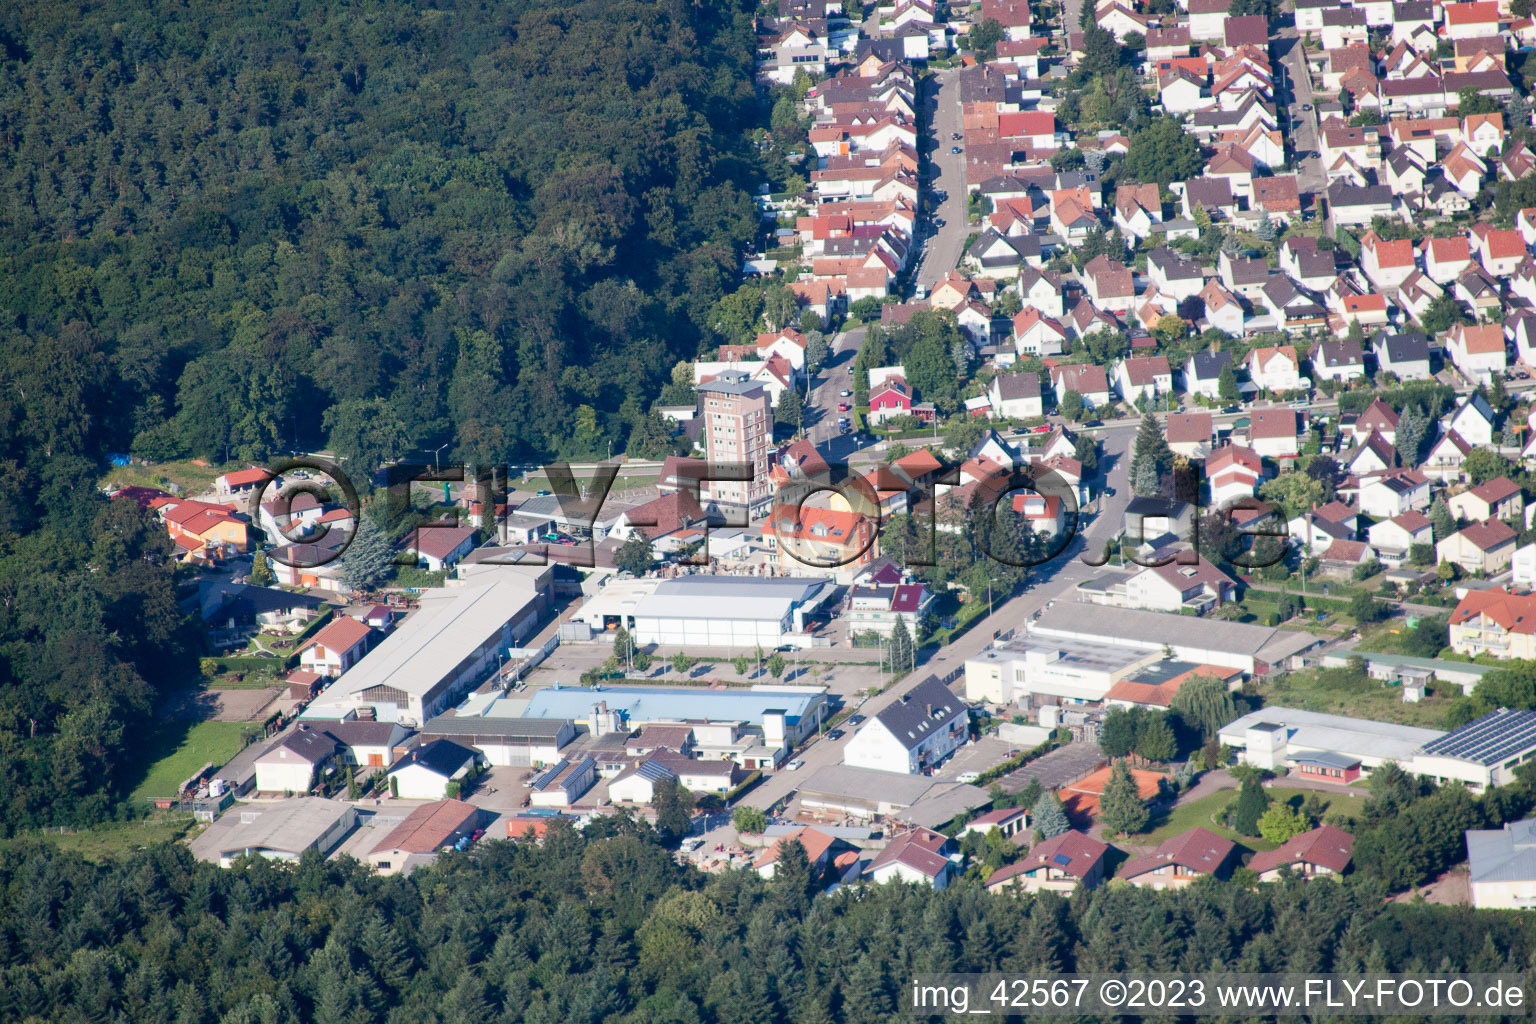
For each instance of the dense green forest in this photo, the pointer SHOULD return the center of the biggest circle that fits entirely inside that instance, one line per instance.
(605, 926)
(230, 231)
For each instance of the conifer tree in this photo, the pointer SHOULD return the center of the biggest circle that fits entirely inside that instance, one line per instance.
(1121, 808)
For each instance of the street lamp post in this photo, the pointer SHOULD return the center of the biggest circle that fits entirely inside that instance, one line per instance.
(437, 465)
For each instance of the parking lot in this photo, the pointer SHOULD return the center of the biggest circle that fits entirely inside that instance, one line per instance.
(1056, 769)
(977, 756)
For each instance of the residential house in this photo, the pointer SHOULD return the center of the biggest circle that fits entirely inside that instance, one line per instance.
(877, 608)
(1016, 395)
(1478, 351)
(1376, 418)
(427, 772)
(1292, 309)
(1189, 433)
(242, 483)
(1224, 311)
(1174, 587)
(1089, 381)
(1041, 290)
(1445, 458)
(1325, 850)
(1499, 498)
(1110, 284)
(1138, 377)
(1495, 622)
(1058, 864)
(1180, 860)
(1485, 547)
(921, 856)
(1386, 264)
(1394, 492)
(917, 731)
(440, 546)
(820, 849)
(1173, 275)
(203, 531)
(1035, 334)
(1394, 538)
(1404, 355)
(1355, 205)
(889, 399)
(1276, 369)
(292, 763)
(1473, 419)
(1233, 472)
(1202, 373)
(1273, 433)
(1446, 259)
(339, 645)
(1339, 359)
(1499, 251)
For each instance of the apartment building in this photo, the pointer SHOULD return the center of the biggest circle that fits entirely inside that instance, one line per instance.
(737, 428)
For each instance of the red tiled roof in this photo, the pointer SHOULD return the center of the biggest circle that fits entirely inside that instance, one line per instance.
(1515, 613)
(1198, 850)
(341, 634)
(1327, 846)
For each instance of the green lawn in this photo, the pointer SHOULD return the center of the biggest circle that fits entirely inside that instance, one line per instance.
(1339, 691)
(181, 748)
(196, 479)
(1198, 813)
(114, 840)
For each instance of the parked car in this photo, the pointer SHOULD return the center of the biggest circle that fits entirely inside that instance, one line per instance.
(1306, 107)
(938, 222)
(477, 835)
(795, 765)
(954, 149)
(835, 734)
(845, 393)
(1044, 428)
(969, 777)
(954, 136)
(855, 719)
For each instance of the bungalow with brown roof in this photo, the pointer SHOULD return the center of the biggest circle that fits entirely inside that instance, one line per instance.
(1061, 864)
(1178, 861)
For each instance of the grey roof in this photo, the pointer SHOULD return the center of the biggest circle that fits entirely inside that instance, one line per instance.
(1128, 625)
(1344, 194)
(1018, 385)
(1328, 759)
(506, 730)
(920, 712)
(310, 744)
(1497, 736)
(1208, 364)
(1408, 347)
(1503, 855)
(731, 382)
(440, 757)
(1311, 731)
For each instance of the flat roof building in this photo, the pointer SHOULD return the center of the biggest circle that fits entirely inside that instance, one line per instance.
(709, 611)
(284, 830)
(1052, 666)
(783, 713)
(1275, 737)
(436, 655)
(1253, 649)
(869, 793)
(1482, 753)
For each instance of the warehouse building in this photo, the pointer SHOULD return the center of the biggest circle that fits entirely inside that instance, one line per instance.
(1070, 669)
(503, 741)
(283, 830)
(1249, 648)
(867, 793)
(1279, 738)
(783, 715)
(710, 611)
(438, 654)
(1482, 753)
(415, 842)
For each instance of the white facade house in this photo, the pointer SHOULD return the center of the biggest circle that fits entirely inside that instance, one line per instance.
(919, 730)
(424, 773)
(293, 762)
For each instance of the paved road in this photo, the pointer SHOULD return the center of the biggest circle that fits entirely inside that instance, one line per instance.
(1054, 581)
(821, 413)
(1302, 124)
(943, 249)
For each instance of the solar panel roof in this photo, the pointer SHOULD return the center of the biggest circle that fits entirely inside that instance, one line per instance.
(1495, 737)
